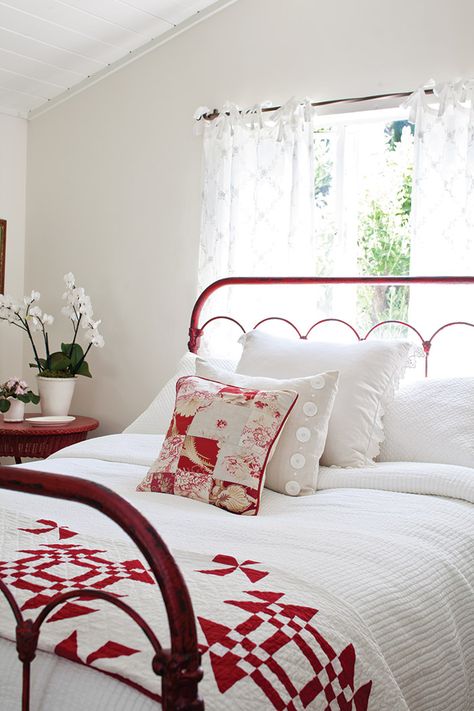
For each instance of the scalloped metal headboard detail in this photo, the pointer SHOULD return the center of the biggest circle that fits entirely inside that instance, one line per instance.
(196, 330)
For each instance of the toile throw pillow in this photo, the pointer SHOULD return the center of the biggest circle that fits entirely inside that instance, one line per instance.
(218, 443)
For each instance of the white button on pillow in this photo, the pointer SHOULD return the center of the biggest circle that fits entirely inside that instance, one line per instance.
(303, 434)
(292, 488)
(297, 461)
(294, 464)
(310, 409)
(318, 382)
(369, 375)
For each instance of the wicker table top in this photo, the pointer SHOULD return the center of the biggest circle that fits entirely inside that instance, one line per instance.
(25, 429)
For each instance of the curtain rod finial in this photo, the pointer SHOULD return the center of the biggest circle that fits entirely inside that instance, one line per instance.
(211, 115)
(201, 112)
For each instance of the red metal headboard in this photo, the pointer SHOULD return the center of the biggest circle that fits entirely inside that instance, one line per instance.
(196, 330)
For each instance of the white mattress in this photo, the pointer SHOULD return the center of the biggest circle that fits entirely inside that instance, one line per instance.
(403, 562)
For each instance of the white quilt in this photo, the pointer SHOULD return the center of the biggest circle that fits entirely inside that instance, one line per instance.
(390, 573)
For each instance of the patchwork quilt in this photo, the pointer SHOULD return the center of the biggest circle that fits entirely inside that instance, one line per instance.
(268, 640)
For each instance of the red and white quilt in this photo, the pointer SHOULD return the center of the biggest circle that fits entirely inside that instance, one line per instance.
(268, 640)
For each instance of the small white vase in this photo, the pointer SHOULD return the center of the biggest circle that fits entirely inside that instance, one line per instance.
(56, 395)
(16, 412)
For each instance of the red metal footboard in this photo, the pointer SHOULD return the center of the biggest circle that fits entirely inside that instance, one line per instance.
(196, 329)
(179, 667)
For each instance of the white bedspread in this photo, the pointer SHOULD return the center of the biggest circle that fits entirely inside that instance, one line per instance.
(403, 563)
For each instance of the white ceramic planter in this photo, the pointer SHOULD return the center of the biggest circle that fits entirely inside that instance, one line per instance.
(56, 395)
(16, 413)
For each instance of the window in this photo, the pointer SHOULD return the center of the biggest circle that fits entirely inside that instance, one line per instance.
(362, 193)
(290, 193)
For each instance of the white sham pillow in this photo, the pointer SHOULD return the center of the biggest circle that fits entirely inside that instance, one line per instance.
(369, 373)
(431, 420)
(156, 418)
(294, 464)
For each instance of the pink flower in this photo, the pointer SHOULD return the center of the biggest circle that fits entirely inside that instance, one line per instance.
(221, 424)
(21, 388)
(15, 386)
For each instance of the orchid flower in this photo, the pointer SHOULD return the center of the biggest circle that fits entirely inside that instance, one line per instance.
(28, 316)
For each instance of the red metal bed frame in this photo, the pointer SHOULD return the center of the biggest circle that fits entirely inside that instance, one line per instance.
(179, 666)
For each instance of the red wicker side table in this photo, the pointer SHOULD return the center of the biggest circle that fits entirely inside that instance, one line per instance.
(21, 439)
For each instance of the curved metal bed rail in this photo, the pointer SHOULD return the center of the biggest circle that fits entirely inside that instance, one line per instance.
(196, 329)
(178, 666)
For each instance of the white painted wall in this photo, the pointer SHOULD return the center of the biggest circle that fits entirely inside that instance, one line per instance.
(114, 173)
(13, 141)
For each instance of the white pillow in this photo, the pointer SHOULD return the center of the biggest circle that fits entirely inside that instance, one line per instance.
(431, 421)
(294, 464)
(156, 418)
(369, 374)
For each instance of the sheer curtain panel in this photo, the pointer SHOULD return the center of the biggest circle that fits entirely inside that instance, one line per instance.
(443, 217)
(257, 201)
(258, 192)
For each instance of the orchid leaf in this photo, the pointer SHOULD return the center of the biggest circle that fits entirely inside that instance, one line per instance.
(84, 370)
(59, 361)
(73, 351)
(4, 405)
(42, 363)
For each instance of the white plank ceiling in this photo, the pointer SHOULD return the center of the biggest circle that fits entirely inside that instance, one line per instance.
(48, 47)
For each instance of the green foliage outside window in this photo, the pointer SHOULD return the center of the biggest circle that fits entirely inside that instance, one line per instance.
(383, 229)
(324, 197)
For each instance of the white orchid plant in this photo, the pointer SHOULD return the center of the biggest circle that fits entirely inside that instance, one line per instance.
(71, 359)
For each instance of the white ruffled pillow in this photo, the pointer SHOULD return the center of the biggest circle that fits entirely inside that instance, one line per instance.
(369, 375)
(431, 420)
(156, 418)
(294, 464)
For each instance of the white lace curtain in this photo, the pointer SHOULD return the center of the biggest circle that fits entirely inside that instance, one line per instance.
(257, 205)
(257, 210)
(443, 215)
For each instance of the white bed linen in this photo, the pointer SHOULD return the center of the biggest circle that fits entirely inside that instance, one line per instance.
(404, 563)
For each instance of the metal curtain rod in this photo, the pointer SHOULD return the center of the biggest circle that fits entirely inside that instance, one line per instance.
(354, 100)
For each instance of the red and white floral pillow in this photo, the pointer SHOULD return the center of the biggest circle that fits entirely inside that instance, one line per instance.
(218, 443)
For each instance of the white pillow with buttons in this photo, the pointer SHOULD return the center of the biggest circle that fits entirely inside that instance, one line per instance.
(294, 463)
